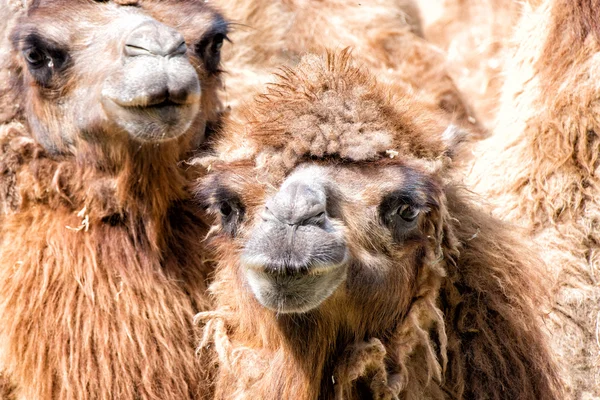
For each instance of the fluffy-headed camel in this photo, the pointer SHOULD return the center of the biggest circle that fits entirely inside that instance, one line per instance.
(350, 265)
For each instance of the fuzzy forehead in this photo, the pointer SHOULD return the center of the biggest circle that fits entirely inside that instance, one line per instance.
(85, 25)
(329, 108)
(177, 13)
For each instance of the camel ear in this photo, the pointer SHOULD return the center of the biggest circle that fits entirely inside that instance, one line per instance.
(457, 141)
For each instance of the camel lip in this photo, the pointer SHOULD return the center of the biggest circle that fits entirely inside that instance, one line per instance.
(159, 122)
(165, 103)
(311, 269)
(165, 110)
(312, 266)
(297, 293)
(153, 104)
(150, 102)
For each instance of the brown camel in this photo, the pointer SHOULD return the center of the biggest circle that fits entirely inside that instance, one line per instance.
(100, 275)
(350, 265)
(541, 170)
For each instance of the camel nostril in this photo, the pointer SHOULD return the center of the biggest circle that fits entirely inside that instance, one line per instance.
(154, 38)
(315, 218)
(299, 202)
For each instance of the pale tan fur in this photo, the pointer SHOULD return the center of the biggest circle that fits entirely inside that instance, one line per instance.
(474, 34)
(541, 170)
(384, 35)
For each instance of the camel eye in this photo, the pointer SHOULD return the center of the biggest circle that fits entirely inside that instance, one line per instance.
(225, 209)
(43, 59)
(232, 213)
(400, 212)
(209, 50)
(407, 212)
(35, 57)
(217, 43)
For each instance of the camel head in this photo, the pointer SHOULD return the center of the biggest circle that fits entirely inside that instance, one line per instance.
(99, 71)
(331, 227)
(332, 194)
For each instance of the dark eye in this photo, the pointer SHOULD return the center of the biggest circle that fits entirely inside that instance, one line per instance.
(400, 213)
(209, 50)
(217, 43)
(222, 203)
(225, 209)
(407, 212)
(35, 57)
(43, 59)
(232, 212)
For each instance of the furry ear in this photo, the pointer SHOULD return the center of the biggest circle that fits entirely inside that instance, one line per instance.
(458, 142)
(455, 140)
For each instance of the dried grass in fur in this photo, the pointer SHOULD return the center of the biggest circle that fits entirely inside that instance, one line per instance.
(540, 170)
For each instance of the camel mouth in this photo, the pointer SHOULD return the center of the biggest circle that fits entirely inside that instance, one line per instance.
(153, 121)
(297, 291)
(159, 103)
(153, 98)
(163, 98)
(164, 103)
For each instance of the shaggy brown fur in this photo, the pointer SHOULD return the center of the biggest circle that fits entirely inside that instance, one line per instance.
(475, 35)
(541, 169)
(100, 272)
(450, 314)
(100, 279)
(385, 35)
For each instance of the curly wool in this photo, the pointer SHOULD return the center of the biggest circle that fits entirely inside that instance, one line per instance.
(367, 361)
(318, 112)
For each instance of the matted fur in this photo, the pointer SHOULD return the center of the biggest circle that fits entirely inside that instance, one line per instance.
(467, 322)
(100, 272)
(541, 168)
(385, 36)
